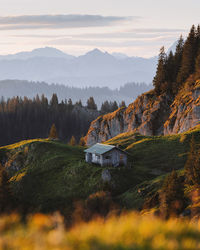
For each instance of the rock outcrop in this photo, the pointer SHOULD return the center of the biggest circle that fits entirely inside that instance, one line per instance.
(150, 115)
(185, 111)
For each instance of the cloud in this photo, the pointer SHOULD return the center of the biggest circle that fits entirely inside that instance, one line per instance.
(122, 38)
(134, 33)
(59, 21)
(158, 40)
(160, 30)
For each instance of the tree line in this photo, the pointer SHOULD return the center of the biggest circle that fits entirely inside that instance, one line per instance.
(182, 189)
(128, 92)
(24, 118)
(175, 68)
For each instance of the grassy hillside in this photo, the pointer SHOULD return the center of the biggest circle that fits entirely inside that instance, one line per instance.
(153, 157)
(157, 154)
(45, 174)
(49, 174)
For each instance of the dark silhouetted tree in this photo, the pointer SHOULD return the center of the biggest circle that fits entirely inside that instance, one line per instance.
(192, 165)
(172, 196)
(108, 107)
(79, 103)
(160, 78)
(177, 63)
(91, 103)
(114, 106)
(54, 101)
(188, 57)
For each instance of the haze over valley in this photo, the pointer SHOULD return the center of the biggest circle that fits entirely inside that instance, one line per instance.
(94, 69)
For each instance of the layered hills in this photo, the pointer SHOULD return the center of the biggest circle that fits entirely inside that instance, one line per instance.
(95, 68)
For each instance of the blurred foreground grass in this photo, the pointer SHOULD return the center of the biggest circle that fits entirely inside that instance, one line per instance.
(129, 231)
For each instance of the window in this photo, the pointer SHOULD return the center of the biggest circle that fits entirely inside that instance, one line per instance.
(107, 157)
(97, 156)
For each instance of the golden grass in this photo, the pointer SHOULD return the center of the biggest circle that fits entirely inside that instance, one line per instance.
(22, 143)
(129, 231)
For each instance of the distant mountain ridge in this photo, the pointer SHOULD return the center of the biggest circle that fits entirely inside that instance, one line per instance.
(95, 68)
(128, 92)
(40, 52)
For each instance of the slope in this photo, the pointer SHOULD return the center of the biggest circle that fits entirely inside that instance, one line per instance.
(47, 175)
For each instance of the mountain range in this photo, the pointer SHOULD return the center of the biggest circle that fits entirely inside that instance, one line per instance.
(95, 68)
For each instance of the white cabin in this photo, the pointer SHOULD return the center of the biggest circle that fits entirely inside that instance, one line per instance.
(106, 155)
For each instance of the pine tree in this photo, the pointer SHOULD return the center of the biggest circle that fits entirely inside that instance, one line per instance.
(197, 61)
(171, 196)
(114, 106)
(54, 101)
(192, 166)
(79, 103)
(170, 73)
(105, 107)
(82, 141)
(91, 103)
(72, 141)
(188, 57)
(53, 132)
(160, 77)
(177, 62)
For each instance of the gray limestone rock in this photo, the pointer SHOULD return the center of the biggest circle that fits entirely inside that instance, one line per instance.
(106, 176)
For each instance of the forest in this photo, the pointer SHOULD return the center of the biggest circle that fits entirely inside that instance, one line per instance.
(184, 65)
(32, 118)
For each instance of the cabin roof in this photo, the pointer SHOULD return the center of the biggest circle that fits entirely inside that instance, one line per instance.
(101, 149)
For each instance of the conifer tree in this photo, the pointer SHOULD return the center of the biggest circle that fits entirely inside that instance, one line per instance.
(188, 57)
(54, 101)
(170, 73)
(160, 77)
(79, 103)
(114, 106)
(91, 103)
(171, 196)
(82, 141)
(72, 141)
(177, 62)
(105, 107)
(197, 62)
(53, 132)
(192, 166)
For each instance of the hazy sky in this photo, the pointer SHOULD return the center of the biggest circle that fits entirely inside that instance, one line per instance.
(137, 28)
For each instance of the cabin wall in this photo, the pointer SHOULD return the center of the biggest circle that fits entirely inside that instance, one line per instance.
(96, 158)
(112, 158)
(88, 157)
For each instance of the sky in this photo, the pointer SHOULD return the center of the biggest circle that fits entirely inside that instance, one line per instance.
(136, 28)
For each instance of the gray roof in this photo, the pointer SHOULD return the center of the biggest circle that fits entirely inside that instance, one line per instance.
(100, 148)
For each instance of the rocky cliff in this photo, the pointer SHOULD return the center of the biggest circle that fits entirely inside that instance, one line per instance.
(151, 115)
